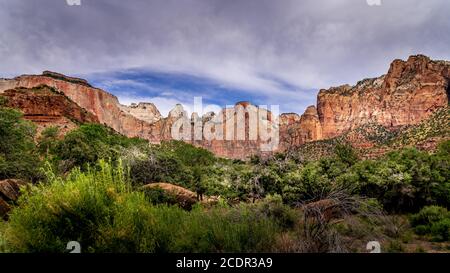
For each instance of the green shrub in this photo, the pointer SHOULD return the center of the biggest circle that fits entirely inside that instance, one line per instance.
(3, 248)
(395, 246)
(307, 184)
(346, 154)
(18, 158)
(441, 230)
(89, 143)
(433, 221)
(159, 196)
(429, 215)
(405, 180)
(99, 209)
(48, 140)
(158, 166)
(220, 229)
(272, 207)
(66, 210)
(188, 154)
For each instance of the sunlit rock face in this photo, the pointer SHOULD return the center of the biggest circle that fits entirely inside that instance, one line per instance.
(143, 111)
(409, 93)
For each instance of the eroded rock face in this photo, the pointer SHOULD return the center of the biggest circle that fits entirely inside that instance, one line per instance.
(409, 93)
(296, 130)
(46, 107)
(238, 132)
(288, 119)
(310, 125)
(101, 104)
(143, 111)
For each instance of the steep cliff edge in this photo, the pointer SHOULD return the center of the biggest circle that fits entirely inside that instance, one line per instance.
(103, 105)
(409, 93)
(47, 107)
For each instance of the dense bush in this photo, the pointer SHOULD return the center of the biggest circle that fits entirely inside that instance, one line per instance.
(98, 209)
(157, 166)
(173, 162)
(158, 196)
(433, 221)
(48, 140)
(346, 154)
(3, 247)
(87, 144)
(188, 154)
(405, 181)
(18, 157)
(307, 184)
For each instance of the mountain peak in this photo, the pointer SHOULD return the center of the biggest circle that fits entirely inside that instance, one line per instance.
(177, 111)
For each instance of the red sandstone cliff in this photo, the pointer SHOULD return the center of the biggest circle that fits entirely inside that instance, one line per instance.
(102, 104)
(46, 107)
(408, 94)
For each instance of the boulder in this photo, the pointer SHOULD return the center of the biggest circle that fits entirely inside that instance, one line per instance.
(183, 197)
(10, 189)
(4, 208)
(9, 193)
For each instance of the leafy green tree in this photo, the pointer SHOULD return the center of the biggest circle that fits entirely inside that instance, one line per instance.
(346, 154)
(198, 182)
(48, 140)
(405, 180)
(158, 166)
(187, 153)
(17, 149)
(89, 143)
(174, 162)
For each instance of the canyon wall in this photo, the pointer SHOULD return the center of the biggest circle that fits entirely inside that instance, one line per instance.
(47, 107)
(409, 93)
(103, 105)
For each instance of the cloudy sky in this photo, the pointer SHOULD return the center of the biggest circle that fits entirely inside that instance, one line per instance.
(265, 51)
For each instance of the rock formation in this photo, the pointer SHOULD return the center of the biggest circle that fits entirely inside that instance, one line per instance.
(409, 93)
(143, 111)
(47, 107)
(103, 105)
(234, 132)
(9, 193)
(179, 195)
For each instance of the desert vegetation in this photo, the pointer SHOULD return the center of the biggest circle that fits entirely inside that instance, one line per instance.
(88, 186)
